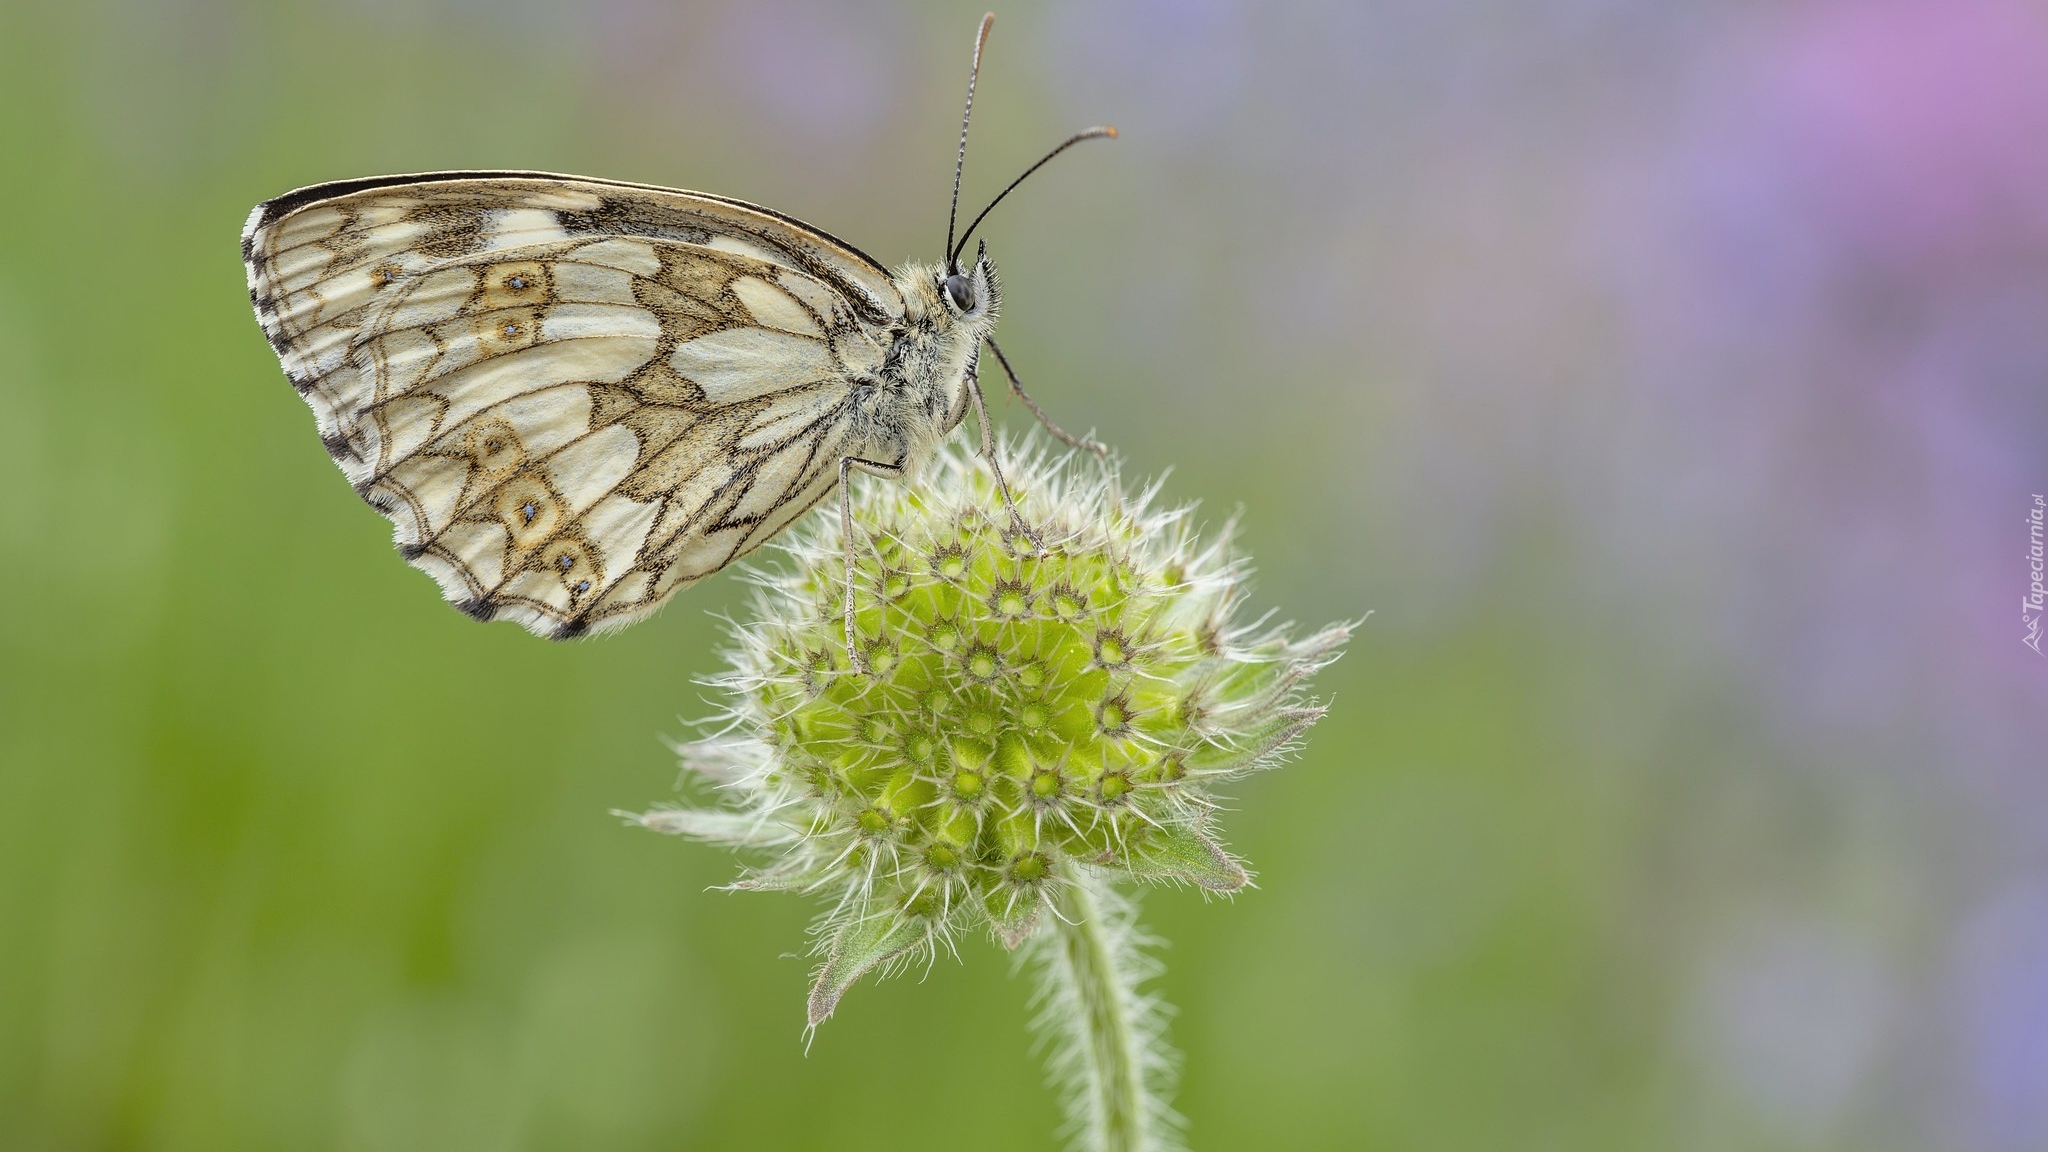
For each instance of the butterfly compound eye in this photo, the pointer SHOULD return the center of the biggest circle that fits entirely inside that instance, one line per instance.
(961, 292)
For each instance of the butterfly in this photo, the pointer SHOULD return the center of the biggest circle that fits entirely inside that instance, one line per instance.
(573, 397)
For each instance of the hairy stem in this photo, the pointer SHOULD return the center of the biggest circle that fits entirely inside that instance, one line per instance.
(1109, 1055)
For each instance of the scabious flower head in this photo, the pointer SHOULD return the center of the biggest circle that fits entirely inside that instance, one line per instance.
(1017, 715)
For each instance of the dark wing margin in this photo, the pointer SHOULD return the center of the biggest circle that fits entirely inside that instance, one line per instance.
(870, 282)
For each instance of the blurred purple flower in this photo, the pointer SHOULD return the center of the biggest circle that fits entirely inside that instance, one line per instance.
(1847, 165)
(826, 71)
(1836, 260)
(1164, 69)
(1909, 124)
(2000, 983)
(825, 75)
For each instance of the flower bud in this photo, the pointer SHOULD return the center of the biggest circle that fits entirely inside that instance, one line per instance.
(1014, 715)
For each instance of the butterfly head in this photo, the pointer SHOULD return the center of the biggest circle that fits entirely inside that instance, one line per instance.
(948, 310)
(970, 293)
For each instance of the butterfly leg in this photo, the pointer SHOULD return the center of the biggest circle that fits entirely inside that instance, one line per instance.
(1059, 433)
(988, 453)
(873, 468)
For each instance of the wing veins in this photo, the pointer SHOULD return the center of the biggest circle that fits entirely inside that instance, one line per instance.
(431, 209)
(729, 494)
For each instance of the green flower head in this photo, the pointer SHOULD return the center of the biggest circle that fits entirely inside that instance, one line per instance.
(1018, 715)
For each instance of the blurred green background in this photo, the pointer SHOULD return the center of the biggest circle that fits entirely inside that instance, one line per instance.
(1671, 381)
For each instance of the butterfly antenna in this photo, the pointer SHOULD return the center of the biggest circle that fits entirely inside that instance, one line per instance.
(988, 21)
(1104, 132)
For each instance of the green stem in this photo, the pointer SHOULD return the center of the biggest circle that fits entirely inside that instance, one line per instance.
(1109, 1056)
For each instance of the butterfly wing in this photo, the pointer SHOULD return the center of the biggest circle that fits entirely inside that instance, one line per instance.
(571, 397)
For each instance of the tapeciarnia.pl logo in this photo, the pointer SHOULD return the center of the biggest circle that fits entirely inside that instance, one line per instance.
(2031, 607)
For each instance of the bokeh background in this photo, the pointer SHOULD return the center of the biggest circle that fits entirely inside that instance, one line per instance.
(1669, 380)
